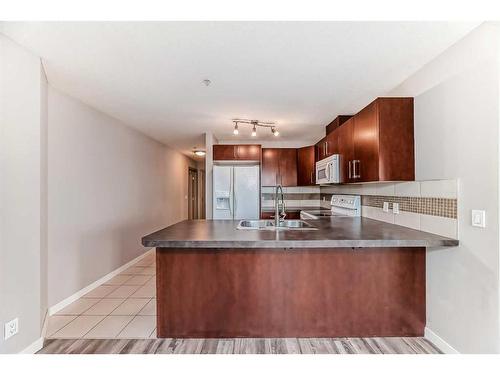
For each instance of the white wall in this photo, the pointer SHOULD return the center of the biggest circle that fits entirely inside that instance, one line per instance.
(210, 140)
(22, 132)
(44, 167)
(456, 137)
(109, 185)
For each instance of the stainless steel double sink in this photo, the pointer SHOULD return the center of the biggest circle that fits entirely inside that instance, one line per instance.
(270, 225)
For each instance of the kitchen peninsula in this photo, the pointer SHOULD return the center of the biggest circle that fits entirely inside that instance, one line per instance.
(349, 276)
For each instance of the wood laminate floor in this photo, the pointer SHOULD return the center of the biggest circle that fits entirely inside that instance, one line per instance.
(388, 345)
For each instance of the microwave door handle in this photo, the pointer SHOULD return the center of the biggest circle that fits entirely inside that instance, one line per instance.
(327, 172)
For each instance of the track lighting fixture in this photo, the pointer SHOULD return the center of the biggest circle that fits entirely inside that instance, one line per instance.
(255, 123)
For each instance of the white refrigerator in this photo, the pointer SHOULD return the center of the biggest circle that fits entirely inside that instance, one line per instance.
(236, 191)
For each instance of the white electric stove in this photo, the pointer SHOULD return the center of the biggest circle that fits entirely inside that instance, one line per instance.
(341, 205)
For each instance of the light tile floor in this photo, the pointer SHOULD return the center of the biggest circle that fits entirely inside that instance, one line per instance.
(123, 307)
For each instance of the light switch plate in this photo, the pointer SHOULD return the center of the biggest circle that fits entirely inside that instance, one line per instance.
(11, 328)
(395, 208)
(385, 208)
(479, 218)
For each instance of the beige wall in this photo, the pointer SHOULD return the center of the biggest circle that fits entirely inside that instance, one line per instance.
(109, 185)
(457, 105)
(22, 213)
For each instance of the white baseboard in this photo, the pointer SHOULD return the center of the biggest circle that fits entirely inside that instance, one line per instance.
(439, 342)
(65, 302)
(34, 347)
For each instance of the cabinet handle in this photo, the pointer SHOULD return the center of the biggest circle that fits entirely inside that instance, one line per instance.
(350, 171)
(326, 148)
(312, 180)
(356, 175)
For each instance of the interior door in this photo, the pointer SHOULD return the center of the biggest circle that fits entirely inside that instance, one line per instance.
(222, 192)
(246, 192)
(192, 194)
(201, 194)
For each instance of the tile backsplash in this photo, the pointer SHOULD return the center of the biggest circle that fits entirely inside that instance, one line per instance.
(306, 196)
(430, 206)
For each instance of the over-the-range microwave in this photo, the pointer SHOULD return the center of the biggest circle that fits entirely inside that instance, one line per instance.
(328, 170)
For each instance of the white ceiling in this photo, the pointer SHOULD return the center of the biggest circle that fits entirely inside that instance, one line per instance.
(298, 74)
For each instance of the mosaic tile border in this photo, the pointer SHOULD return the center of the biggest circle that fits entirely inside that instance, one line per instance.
(443, 207)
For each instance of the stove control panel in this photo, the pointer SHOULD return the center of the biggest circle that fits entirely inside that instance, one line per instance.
(346, 204)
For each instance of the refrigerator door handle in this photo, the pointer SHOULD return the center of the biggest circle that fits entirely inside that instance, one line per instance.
(233, 195)
(231, 192)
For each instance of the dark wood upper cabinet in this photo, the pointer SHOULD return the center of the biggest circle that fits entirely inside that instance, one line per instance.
(339, 120)
(270, 166)
(383, 141)
(320, 149)
(248, 152)
(331, 144)
(237, 152)
(288, 166)
(279, 166)
(366, 144)
(346, 149)
(224, 152)
(376, 144)
(306, 166)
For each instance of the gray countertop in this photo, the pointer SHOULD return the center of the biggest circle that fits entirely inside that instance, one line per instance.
(331, 233)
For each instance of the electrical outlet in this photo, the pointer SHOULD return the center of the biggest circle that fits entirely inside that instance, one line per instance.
(395, 208)
(11, 328)
(385, 208)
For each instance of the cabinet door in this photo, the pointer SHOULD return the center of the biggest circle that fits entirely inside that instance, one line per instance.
(248, 152)
(288, 166)
(321, 149)
(396, 143)
(224, 152)
(267, 215)
(331, 144)
(366, 144)
(270, 166)
(345, 149)
(292, 215)
(306, 166)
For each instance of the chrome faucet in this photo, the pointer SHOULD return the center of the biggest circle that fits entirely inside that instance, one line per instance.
(279, 206)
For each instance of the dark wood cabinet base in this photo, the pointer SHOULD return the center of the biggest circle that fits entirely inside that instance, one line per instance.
(290, 293)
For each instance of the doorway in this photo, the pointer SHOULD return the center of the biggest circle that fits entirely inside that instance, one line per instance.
(201, 194)
(192, 194)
